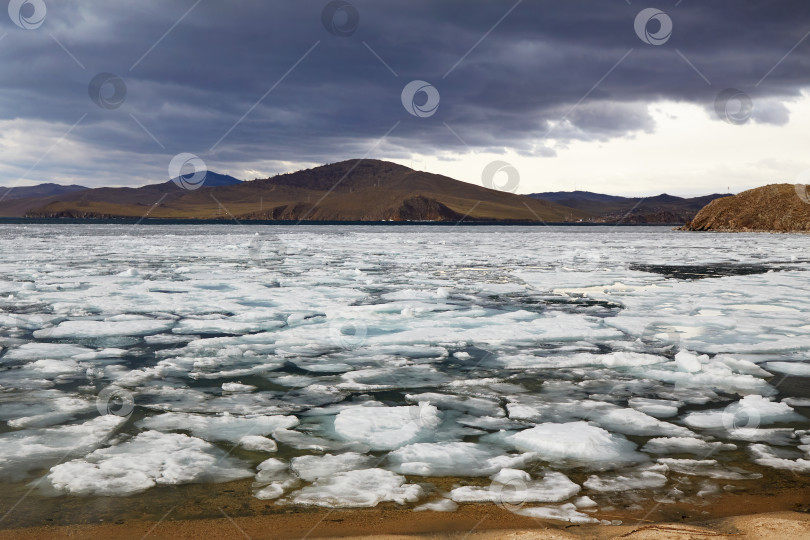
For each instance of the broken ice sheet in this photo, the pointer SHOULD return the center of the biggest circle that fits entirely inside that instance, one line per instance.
(542, 349)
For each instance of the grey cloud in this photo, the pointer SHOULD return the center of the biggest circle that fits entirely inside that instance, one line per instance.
(216, 64)
(770, 111)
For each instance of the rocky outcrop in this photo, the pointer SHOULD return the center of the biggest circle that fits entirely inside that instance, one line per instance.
(772, 208)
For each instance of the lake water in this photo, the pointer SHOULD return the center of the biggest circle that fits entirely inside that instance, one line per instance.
(552, 370)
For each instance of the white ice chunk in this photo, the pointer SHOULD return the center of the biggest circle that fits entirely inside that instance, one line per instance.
(219, 428)
(224, 326)
(566, 512)
(385, 428)
(21, 451)
(797, 369)
(689, 362)
(685, 445)
(38, 351)
(707, 467)
(310, 468)
(237, 387)
(576, 441)
(257, 443)
(659, 408)
(512, 486)
(356, 489)
(451, 459)
(273, 479)
(99, 329)
(585, 502)
(762, 454)
(468, 404)
(750, 412)
(650, 478)
(150, 458)
(633, 422)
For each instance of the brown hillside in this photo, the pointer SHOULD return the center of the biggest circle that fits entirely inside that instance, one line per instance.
(773, 208)
(370, 190)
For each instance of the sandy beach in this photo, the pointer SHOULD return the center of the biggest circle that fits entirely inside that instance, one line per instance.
(776, 525)
(782, 514)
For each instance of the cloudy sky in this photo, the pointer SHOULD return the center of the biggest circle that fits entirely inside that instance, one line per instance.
(617, 96)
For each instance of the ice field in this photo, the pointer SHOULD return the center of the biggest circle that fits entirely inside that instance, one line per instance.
(551, 370)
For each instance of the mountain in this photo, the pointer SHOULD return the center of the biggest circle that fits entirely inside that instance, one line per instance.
(40, 190)
(772, 208)
(610, 208)
(213, 179)
(353, 190)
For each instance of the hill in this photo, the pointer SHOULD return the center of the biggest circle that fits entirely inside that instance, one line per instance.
(610, 208)
(40, 190)
(772, 208)
(353, 190)
(213, 179)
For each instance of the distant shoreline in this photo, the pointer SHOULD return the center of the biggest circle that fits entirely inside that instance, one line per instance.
(171, 221)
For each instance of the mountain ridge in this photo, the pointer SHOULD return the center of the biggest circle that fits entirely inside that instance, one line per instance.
(350, 190)
(662, 208)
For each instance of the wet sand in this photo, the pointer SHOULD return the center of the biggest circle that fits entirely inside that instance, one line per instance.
(784, 515)
(780, 525)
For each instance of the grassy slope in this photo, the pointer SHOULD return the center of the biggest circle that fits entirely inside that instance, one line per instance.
(370, 190)
(776, 207)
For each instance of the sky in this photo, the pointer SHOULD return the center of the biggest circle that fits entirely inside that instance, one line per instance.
(624, 97)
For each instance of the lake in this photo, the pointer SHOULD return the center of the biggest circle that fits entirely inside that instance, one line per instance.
(557, 372)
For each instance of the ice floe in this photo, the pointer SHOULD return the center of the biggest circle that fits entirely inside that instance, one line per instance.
(749, 412)
(512, 487)
(219, 428)
(150, 458)
(685, 445)
(566, 512)
(797, 369)
(22, 451)
(458, 354)
(646, 478)
(78, 329)
(576, 442)
(310, 468)
(357, 488)
(386, 428)
(452, 459)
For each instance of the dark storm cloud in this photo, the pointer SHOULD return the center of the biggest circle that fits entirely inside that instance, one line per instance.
(532, 79)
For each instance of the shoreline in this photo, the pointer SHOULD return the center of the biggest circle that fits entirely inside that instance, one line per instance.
(779, 514)
(229, 221)
(766, 525)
